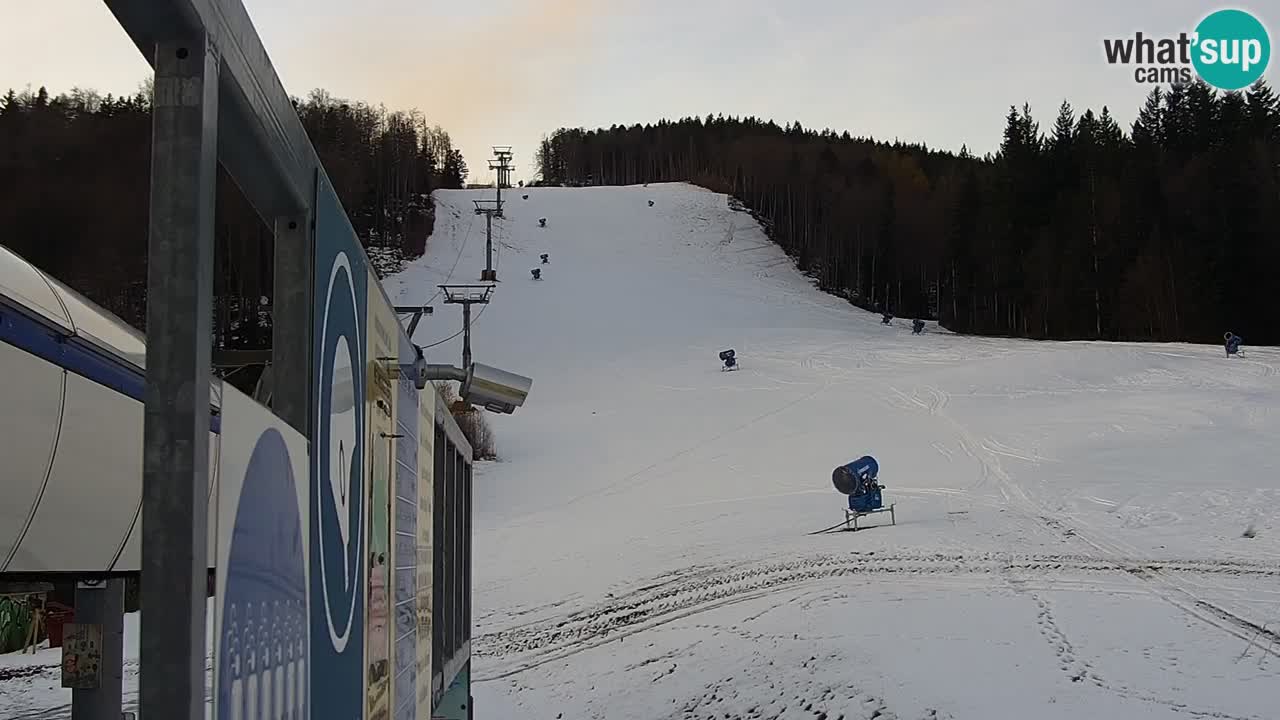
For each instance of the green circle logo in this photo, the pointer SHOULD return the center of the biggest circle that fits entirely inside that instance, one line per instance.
(1232, 49)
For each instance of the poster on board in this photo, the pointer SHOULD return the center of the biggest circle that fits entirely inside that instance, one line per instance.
(404, 549)
(339, 429)
(260, 605)
(380, 363)
(426, 552)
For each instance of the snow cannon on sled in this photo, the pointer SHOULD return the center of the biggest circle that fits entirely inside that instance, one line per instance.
(729, 359)
(860, 481)
(1232, 342)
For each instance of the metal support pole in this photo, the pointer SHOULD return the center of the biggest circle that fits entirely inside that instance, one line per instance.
(175, 468)
(488, 274)
(291, 323)
(488, 244)
(466, 336)
(499, 184)
(102, 604)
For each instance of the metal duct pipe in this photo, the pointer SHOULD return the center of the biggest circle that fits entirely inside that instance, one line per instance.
(446, 372)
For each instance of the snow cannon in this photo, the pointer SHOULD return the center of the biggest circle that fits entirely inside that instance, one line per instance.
(542, 222)
(858, 480)
(885, 318)
(917, 327)
(851, 479)
(650, 203)
(545, 258)
(537, 273)
(728, 358)
(1232, 343)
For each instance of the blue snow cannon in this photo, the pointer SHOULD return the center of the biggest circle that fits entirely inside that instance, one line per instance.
(858, 480)
(1233, 343)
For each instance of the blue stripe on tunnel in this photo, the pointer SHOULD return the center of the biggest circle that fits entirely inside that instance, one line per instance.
(76, 356)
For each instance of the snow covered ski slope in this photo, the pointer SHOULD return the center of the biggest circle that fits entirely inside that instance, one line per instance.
(1071, 516)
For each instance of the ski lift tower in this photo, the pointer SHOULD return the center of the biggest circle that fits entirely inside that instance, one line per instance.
(501, 164)
(466, 296)
(490, 209)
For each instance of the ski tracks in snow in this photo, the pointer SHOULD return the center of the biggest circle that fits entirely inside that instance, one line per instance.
(1072, 529)
(526, 646)
(665, 599)
(1080, 670)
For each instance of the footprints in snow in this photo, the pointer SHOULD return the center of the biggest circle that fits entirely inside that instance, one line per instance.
(1076, 669)
(1079, 670)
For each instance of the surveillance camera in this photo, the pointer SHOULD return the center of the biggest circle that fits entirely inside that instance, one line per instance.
(494, 389)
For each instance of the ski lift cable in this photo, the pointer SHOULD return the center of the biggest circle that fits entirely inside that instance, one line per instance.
(474, 320)
(465, 239)
(497, 261)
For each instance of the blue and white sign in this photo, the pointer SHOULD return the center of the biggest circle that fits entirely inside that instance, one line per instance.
(337, 464)
(261, 607)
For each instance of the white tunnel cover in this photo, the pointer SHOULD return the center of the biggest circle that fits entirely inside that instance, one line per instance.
(72, 447)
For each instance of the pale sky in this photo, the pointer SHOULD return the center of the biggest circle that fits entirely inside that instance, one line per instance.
(503, 72)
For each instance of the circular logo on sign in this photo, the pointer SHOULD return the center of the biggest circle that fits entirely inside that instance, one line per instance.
(262, 663)
(1232, 49)
(339, 451)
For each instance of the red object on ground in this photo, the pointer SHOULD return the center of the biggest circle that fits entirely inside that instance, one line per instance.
(56, 615)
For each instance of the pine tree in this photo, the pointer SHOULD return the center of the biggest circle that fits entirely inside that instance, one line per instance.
(454, 171)
(1233, 120)
(1202, 112)
(1063, 130)
(1110, 136)
(1148, 128)
(1012, 141)
(1031, 130)
(9, 104)
(1264, 111)
(1175, 121)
